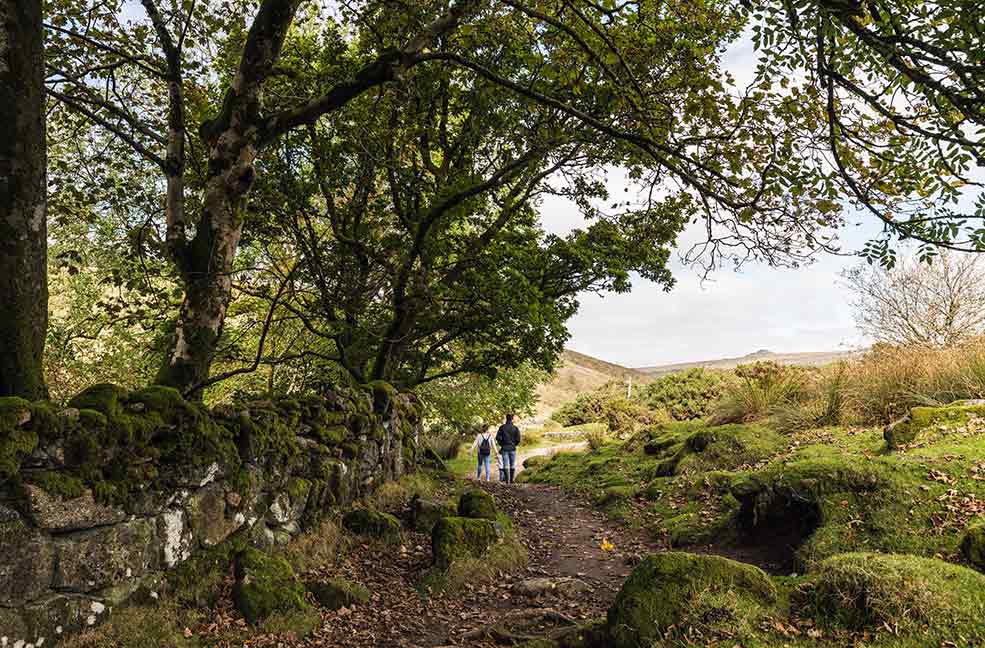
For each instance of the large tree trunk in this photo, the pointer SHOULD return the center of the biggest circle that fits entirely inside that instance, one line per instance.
(23, 226)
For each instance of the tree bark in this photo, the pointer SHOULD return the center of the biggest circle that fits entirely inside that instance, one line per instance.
(23, 223)
(206, 265)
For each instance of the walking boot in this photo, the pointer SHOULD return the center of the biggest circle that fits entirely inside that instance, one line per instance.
(512, 475)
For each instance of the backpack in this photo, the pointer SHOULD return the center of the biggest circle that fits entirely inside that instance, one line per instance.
(484, 448)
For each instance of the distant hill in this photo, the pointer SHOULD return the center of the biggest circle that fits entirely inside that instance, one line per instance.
(808, 359)
(578, 373)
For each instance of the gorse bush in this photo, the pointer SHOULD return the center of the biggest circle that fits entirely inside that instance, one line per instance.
(589, 407)
(688, 394)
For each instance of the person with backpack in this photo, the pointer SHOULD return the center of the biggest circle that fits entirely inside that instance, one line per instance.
(485, 445)
(508, 438)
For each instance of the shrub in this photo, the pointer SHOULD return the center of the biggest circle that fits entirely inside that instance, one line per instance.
(609, 405)
(625, 416)
(687, 394)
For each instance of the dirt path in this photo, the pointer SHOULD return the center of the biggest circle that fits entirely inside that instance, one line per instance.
(547, 451)
(564, 538)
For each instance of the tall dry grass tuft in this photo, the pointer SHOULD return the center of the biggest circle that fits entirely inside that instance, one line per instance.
(886, 382)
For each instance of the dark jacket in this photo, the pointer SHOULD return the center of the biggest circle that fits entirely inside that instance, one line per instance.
(508, 437)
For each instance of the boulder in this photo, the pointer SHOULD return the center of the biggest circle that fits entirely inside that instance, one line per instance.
(477, 504)
(454, 538)
(374, 524)
(661, 591)
(424, 514)
(27, 562)
(265, 585)
(973, 546)
(57, 514)
(905, 430)
(336, 593)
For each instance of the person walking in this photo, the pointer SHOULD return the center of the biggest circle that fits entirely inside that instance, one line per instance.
(508, 438)
(485, 446)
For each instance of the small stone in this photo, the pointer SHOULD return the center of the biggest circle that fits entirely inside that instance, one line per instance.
(564, 587)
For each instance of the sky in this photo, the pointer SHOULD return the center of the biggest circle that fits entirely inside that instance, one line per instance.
(731, 313)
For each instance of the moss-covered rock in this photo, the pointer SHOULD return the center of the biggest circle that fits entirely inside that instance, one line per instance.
(478, 504)
(973, 546)
(265, 585)
(424, 514)
(335, 593)
(906, 430)
(374, 524)
(662, 588)
(865, 592)
(454, 538)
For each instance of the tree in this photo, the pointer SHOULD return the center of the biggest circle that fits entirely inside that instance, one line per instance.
(938, 304)
(419, 252)
(23, 224)
(471, 401)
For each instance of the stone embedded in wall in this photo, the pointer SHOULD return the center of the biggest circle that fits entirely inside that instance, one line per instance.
(58, 515)
(207, 516)
(103, 557)
(175, 537)
(27, 561)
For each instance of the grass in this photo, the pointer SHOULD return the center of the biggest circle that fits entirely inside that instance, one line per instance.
(692, 483)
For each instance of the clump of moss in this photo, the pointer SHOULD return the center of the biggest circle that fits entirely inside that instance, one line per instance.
(477, 503)
(663, 588)
(455, 538)
(335, 593)
(914, 596)
(906, 430)
(374, 524)
(60, 484)
(17, 438)
(265, 585)
(197, 581)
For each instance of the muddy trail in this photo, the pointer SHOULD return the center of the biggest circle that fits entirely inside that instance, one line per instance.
(577, 561)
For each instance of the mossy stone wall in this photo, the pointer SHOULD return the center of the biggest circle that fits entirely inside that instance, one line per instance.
(105, 499)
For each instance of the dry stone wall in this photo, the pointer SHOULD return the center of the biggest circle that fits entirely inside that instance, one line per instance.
(101, 502)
